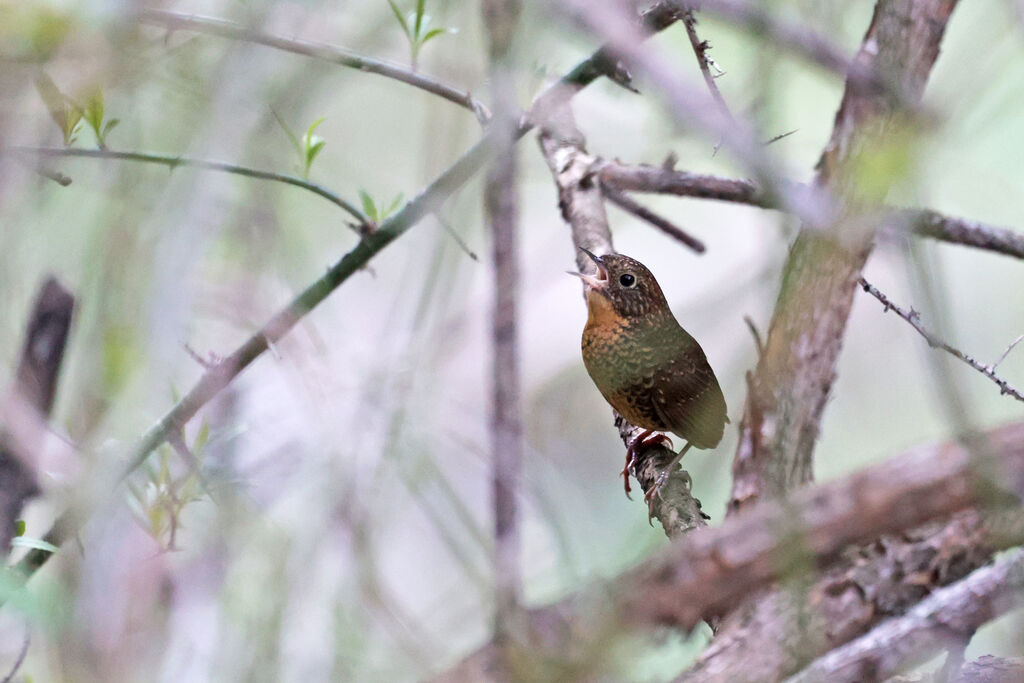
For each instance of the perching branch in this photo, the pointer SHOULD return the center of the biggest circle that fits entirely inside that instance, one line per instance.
(172, 162)
(949, 615)
(914, 318)
(582, 204)
(429, 201)
(334, 54)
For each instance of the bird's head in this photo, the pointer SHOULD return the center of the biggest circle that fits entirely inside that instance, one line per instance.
(623, 287)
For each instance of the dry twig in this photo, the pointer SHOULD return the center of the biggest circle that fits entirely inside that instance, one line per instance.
(914, 318)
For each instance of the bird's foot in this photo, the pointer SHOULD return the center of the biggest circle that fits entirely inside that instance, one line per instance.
(662, 477)
(645, 440)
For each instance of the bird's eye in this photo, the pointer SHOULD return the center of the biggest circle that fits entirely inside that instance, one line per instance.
(627, 280)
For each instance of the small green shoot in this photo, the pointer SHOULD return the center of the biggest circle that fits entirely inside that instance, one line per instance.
(415, 26)
(306, 147)
(375, 213)
(92, 112)
(65, 113)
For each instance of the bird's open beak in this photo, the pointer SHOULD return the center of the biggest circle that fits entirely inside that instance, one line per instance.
(600, 279)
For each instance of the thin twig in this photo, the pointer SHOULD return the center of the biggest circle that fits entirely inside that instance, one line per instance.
(780, 136)
(172, 162)
(914, 318)
(640, 211)
(758, 343)
(700, 49)
(1007, 351)
(331, 53)
(443, 222)
(430, 199)
(20, 659)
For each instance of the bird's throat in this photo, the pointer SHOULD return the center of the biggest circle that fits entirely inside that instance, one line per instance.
(600, 310)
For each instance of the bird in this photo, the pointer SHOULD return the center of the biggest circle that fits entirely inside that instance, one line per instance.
(651, 370)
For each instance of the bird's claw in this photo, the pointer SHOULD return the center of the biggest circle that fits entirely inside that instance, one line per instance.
(645, 440)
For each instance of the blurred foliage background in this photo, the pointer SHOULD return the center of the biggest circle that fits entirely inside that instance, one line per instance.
(338, 525)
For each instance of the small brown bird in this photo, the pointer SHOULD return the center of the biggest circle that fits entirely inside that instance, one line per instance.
(645, 364)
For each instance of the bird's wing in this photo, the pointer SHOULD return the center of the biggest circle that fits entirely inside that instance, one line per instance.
(688, 399)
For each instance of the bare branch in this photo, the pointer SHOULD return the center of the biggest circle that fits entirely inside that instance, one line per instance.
(172, 162)
(643, 213)
(951, 614)
(501, 206)
(779, 631)
(924, 222)
(700, 50)
(176, 21)
(914, 318)
(707, 570)
(797, 39)
(1007, 351)
(969, 233)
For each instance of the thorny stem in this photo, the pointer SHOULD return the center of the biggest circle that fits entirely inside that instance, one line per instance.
(914, 318)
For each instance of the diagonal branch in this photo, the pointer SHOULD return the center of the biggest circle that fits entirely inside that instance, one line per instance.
(707, 570)
(914, 318)
(176, 21)
(634, 207)
(950, 615)
(429, 201)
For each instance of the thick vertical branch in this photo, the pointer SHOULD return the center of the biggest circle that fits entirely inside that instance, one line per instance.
(501, 17)
(29, 401)
(791, 385)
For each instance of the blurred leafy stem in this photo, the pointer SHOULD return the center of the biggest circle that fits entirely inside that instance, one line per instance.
(415, 25)
(381, 212)
(157, 504)
(64, 112)
(306, 147)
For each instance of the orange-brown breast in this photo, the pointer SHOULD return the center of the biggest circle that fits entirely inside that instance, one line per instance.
(653, 373)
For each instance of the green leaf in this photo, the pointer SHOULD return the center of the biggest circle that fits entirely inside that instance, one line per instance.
(202, 437)
(93, 111)
(369, 208)
(395, 203)
(311, 152)
(109, 126)
(19, 527)
(420, 8)
(401, 20)
(36, 543)
(435, 32)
